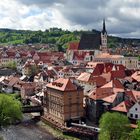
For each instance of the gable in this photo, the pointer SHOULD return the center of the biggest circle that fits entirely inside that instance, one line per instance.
(135, 108)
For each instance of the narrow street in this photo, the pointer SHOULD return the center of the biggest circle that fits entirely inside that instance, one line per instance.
(27, 130)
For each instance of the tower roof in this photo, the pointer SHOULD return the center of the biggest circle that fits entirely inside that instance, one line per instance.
(104, 28)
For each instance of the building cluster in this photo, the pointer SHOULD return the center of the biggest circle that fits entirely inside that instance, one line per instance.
(79, 85)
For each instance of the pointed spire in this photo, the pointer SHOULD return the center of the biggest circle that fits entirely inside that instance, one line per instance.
(104, 27)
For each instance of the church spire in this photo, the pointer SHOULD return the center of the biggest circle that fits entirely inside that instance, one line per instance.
(104, 28)
(104, 38)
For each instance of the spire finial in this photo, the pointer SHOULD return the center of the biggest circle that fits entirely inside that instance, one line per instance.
(104, 27)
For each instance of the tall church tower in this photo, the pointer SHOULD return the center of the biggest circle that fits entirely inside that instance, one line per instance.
(103, 46)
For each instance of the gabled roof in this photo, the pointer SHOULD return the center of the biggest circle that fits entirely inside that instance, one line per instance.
(133, 94)
(105, 68)
(97, 94)
(85, 76)
(136, 76)
(123, 106)
(79, 55)
(98, 69)
(117, 74)
(116, 90)
(13, 80)
(110, 99)
(28, 85)
(101, 93)
(73, 46)
(113, 84)
(90, 41)
(62, 85)
(107, 76)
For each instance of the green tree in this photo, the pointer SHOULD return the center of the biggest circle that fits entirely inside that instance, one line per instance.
(10, 110)
(11, 65)
(114, 126)
(136, 132)
(60, 48)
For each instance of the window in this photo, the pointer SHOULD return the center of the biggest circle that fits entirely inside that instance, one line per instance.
(136, 116)
(136, 109)
(131, 115)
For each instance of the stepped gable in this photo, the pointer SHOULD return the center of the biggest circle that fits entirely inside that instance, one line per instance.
(90, 41)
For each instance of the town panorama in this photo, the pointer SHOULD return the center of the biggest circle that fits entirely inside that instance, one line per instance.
(68, 83)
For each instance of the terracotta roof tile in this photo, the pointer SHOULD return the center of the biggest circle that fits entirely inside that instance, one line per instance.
(113, 84)
(110, 99)
(79, 55)
(73, 46)
(107, 55)
(123, 106)
(62, 85)
(134, 95)
(101, 93)
(84, 77)
(13, 80)
(136, 76)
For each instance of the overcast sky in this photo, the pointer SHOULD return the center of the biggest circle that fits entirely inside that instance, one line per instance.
(122, 16)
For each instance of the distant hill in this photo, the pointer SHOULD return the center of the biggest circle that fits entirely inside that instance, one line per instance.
(55, 36)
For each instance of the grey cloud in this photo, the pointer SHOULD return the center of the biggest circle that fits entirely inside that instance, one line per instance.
(40, 3)
(88, 13)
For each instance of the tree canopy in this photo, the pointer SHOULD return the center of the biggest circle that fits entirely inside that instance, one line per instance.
(136, 132)
(114, 126)
(10, 110)
(11, 65)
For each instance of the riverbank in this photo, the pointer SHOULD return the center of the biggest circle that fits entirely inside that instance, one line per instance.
(30, 129)
(56, 133)
(26, 130)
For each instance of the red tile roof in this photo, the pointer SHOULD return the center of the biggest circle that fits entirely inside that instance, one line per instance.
(113, 84)
(109, 67)
(73, 46)
(117, 74)
(79, 55)
(84, 77)
(136, 76)
(13, 80)
(28, 85)
(110, 99)
(62, 85)
(133, 95)
(100, 93)
(123, 106)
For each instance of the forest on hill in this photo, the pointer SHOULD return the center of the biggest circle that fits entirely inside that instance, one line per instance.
(55, 36)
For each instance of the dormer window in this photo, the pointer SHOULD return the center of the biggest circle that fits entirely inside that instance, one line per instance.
(17, 55)
(4, 55)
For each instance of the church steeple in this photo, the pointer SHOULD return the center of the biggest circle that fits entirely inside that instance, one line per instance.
(104, 28)
(103, 46)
